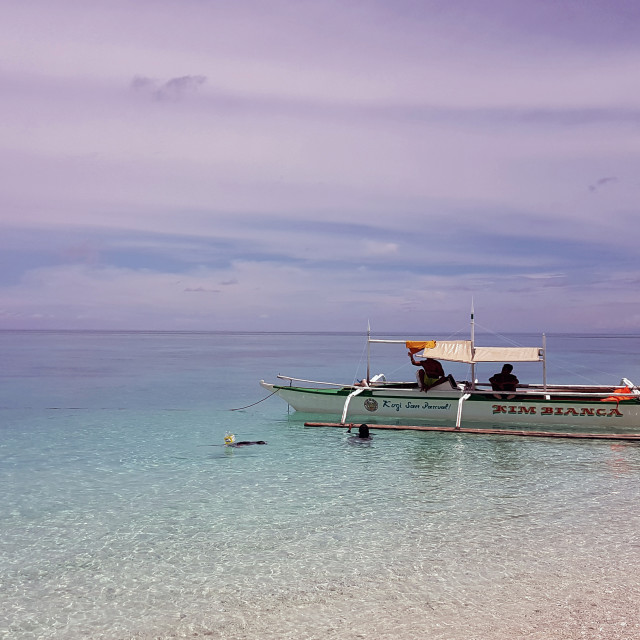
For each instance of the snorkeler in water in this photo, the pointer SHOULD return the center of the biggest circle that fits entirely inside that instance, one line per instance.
(244, 443)
(230, 441)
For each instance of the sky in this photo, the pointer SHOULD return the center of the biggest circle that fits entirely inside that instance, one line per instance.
(281, 165)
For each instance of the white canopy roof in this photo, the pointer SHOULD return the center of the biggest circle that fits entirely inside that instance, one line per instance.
(461, 351)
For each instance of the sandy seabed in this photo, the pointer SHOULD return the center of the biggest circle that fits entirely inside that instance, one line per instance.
(601, 604)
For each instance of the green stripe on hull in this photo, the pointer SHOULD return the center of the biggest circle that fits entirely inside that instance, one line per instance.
(480, 397)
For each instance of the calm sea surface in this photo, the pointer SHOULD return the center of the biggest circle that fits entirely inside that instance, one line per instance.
(123, 516)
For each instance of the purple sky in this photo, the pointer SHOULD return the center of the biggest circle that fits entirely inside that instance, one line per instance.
(290, 165)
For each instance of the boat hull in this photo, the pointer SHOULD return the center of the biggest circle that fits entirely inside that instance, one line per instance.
(441, 407)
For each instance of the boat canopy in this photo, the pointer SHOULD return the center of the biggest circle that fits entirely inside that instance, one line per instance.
(465, 351)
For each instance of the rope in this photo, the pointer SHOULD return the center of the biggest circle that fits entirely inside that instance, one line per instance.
(255, 403)
(355, 377)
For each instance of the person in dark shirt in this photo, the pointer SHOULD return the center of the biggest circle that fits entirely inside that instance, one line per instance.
(504, 381)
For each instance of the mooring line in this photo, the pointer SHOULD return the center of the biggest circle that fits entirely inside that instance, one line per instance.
(255, 403)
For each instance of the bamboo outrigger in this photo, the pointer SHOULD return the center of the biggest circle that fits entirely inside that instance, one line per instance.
(631, 437)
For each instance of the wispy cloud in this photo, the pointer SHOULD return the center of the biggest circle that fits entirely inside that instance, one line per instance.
(201, 290)
(602, 182)
(173, 89)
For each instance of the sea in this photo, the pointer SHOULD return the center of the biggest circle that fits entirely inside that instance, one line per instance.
(123, 515)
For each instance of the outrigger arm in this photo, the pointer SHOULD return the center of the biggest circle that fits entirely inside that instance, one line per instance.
(343, 419)
(353, 394)
(466, 396)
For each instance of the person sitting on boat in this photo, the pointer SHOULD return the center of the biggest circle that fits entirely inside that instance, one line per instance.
(504, 381)
(431, 373)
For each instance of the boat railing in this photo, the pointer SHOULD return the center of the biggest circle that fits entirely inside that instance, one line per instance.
(376, 381)
(605, 387)
(525, 390)
(564, 391)
(329, 384)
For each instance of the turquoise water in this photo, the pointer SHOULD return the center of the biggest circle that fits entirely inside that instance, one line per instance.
(122, 516)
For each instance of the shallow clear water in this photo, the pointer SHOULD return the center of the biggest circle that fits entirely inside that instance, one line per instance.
(122, 515)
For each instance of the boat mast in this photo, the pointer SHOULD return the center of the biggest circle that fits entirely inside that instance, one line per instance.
(473, 335)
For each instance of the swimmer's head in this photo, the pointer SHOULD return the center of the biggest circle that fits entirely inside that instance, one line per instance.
(363, 431)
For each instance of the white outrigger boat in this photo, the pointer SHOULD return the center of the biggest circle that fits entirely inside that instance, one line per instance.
(449, 402)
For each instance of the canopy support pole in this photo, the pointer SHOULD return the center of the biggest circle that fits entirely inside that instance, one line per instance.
(544, 361)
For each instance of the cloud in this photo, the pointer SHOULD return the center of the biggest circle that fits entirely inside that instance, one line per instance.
(601, 182)
(270, 296)
(173, 89)
(374, 248)
(201, 290)
(543, 276)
